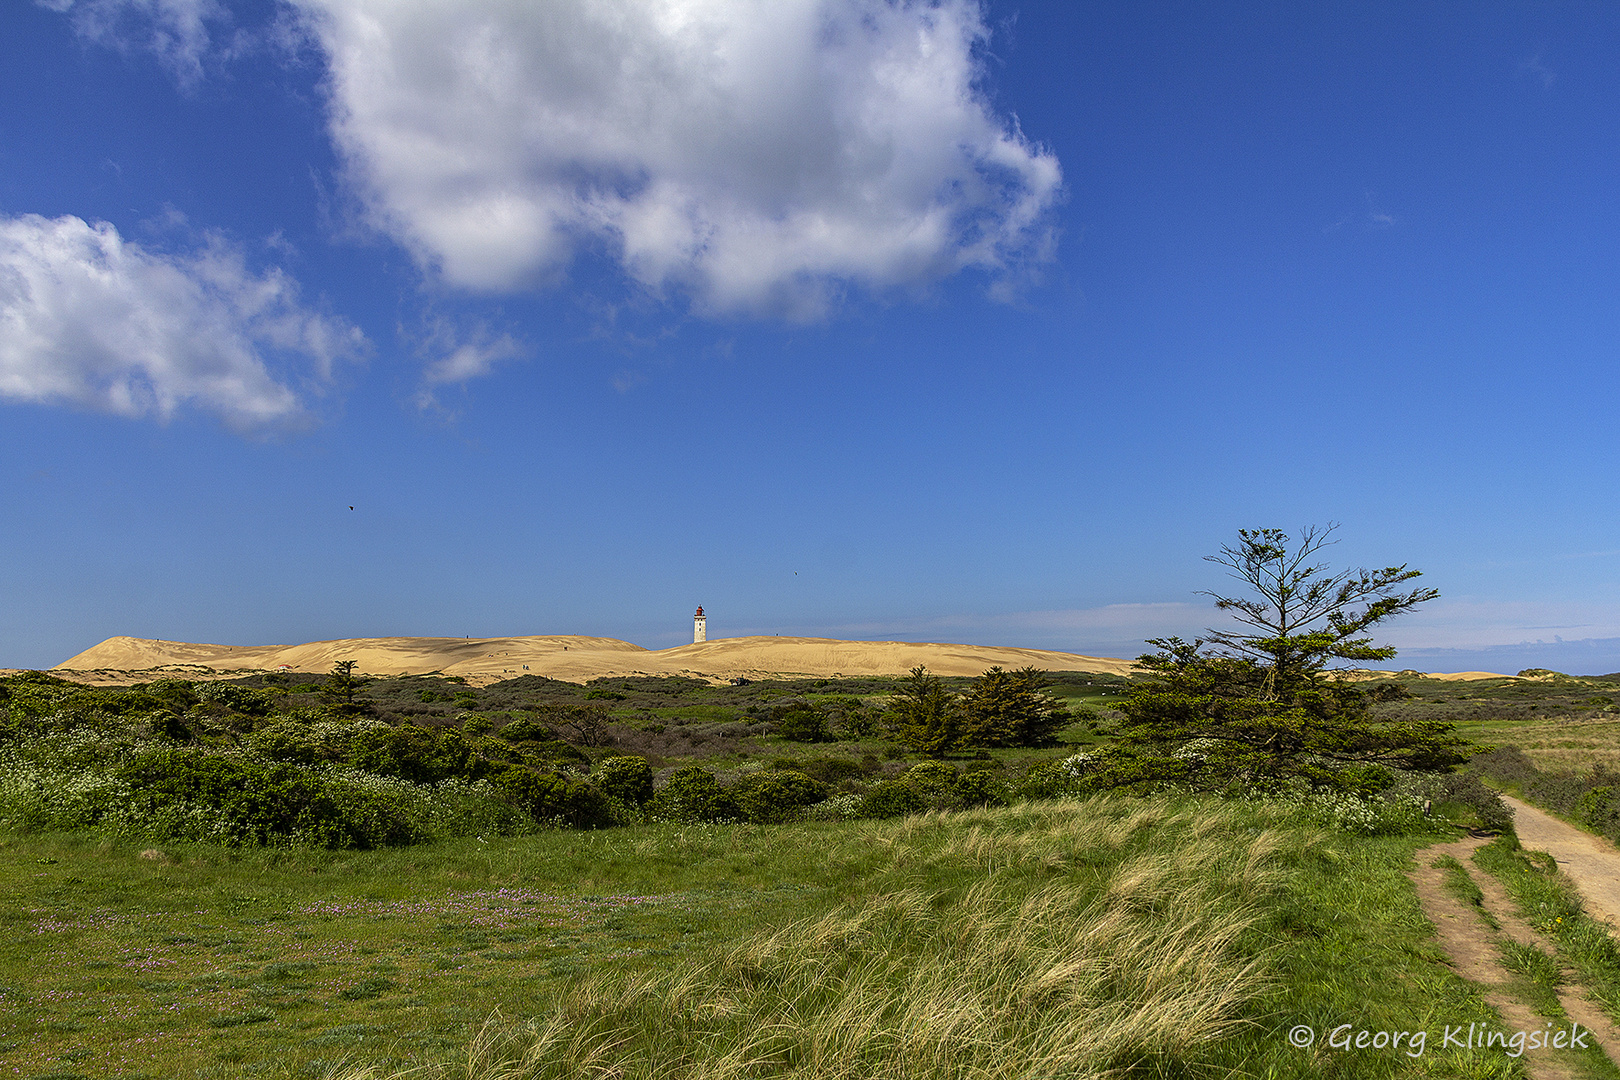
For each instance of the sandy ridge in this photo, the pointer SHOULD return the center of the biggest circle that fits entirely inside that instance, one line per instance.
(572, 658)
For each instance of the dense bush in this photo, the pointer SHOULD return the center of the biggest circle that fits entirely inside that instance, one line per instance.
(1045, 780)
(524, 730)
(255, 802)
(553, 797)
(628, 779)
(831, 770)
(850, 719)
(804, 723)
(980, 789)
(289, 741)
(776, 796)
(240, 699)
(1057, 779)
(891, 798)
(693, 794)
(420, 755)
(932, 781)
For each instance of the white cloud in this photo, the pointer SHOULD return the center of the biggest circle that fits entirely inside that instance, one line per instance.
(176, 30)
(761, 155)
(1114, 629)
(89, 318)
(455, 355)
(1476, 624)
(470, 360)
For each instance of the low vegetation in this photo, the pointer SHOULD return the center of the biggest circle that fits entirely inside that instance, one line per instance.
(1027, 874)
(1112, 934)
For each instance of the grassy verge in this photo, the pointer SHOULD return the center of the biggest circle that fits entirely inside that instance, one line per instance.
(1159, 937)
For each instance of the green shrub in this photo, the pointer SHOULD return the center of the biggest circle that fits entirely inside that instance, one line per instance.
(771, 797)
(693, 794)
(240, 699)
(850, 719)
(552, 797)
(553, 755)
(1047, 780)
(891, 798)
(1366, 779)
(1597, 806)
(526, 730)
(829, 770)
(628, 779)
(412, 753)
(175, 694)
(980, 789)
(804, 723)
(845, 807)
(373, 817)
(933, 781)
(288, 741)
(167, 724)
(253, 802)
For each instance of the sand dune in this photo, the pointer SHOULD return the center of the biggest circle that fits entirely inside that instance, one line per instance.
(576, 659)
(580, 659)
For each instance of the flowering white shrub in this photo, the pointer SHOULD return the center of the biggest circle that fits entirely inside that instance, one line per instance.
(1195, 750)
(1369, 815)
(1078, 765)
(843, 807)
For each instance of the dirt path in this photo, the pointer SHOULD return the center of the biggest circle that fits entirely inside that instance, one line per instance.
(1472, 937)
(1471, 944)
(1591, 862)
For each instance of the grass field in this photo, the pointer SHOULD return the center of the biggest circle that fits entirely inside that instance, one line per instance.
(1166, 936)
(1077, 938)
(1561, 723)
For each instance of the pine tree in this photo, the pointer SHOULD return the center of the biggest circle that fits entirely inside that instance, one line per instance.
(1258, 706)
(924, 715)
(1007, 708)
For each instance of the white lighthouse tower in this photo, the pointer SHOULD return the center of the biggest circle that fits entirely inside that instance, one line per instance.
(700, 627)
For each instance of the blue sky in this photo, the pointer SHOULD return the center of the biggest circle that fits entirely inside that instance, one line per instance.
(839, 317)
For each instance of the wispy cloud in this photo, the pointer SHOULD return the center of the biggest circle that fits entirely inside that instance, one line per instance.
(91, 319)
(1473, 624)
(456, 356)
(176, 31)
(1446, 629)
(1536, 67)
(1377, 216)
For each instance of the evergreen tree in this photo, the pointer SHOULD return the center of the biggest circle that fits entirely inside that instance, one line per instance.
(1259, 706)
(924, 715)
(1007, 708)
(1302, 616)
(341, 684)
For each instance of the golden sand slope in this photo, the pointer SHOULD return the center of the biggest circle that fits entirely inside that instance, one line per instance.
(575, 659)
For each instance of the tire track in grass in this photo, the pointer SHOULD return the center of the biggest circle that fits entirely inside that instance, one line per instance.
(1474, 947)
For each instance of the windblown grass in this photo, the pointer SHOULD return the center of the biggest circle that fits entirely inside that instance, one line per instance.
(1081, 980)
(1077, 938)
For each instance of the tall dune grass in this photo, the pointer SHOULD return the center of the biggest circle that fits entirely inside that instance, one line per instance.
(1081, 938)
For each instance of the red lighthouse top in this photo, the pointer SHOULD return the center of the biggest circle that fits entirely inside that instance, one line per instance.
(700, 609)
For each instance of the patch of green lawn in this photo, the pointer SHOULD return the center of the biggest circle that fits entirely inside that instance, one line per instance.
(289, 962)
